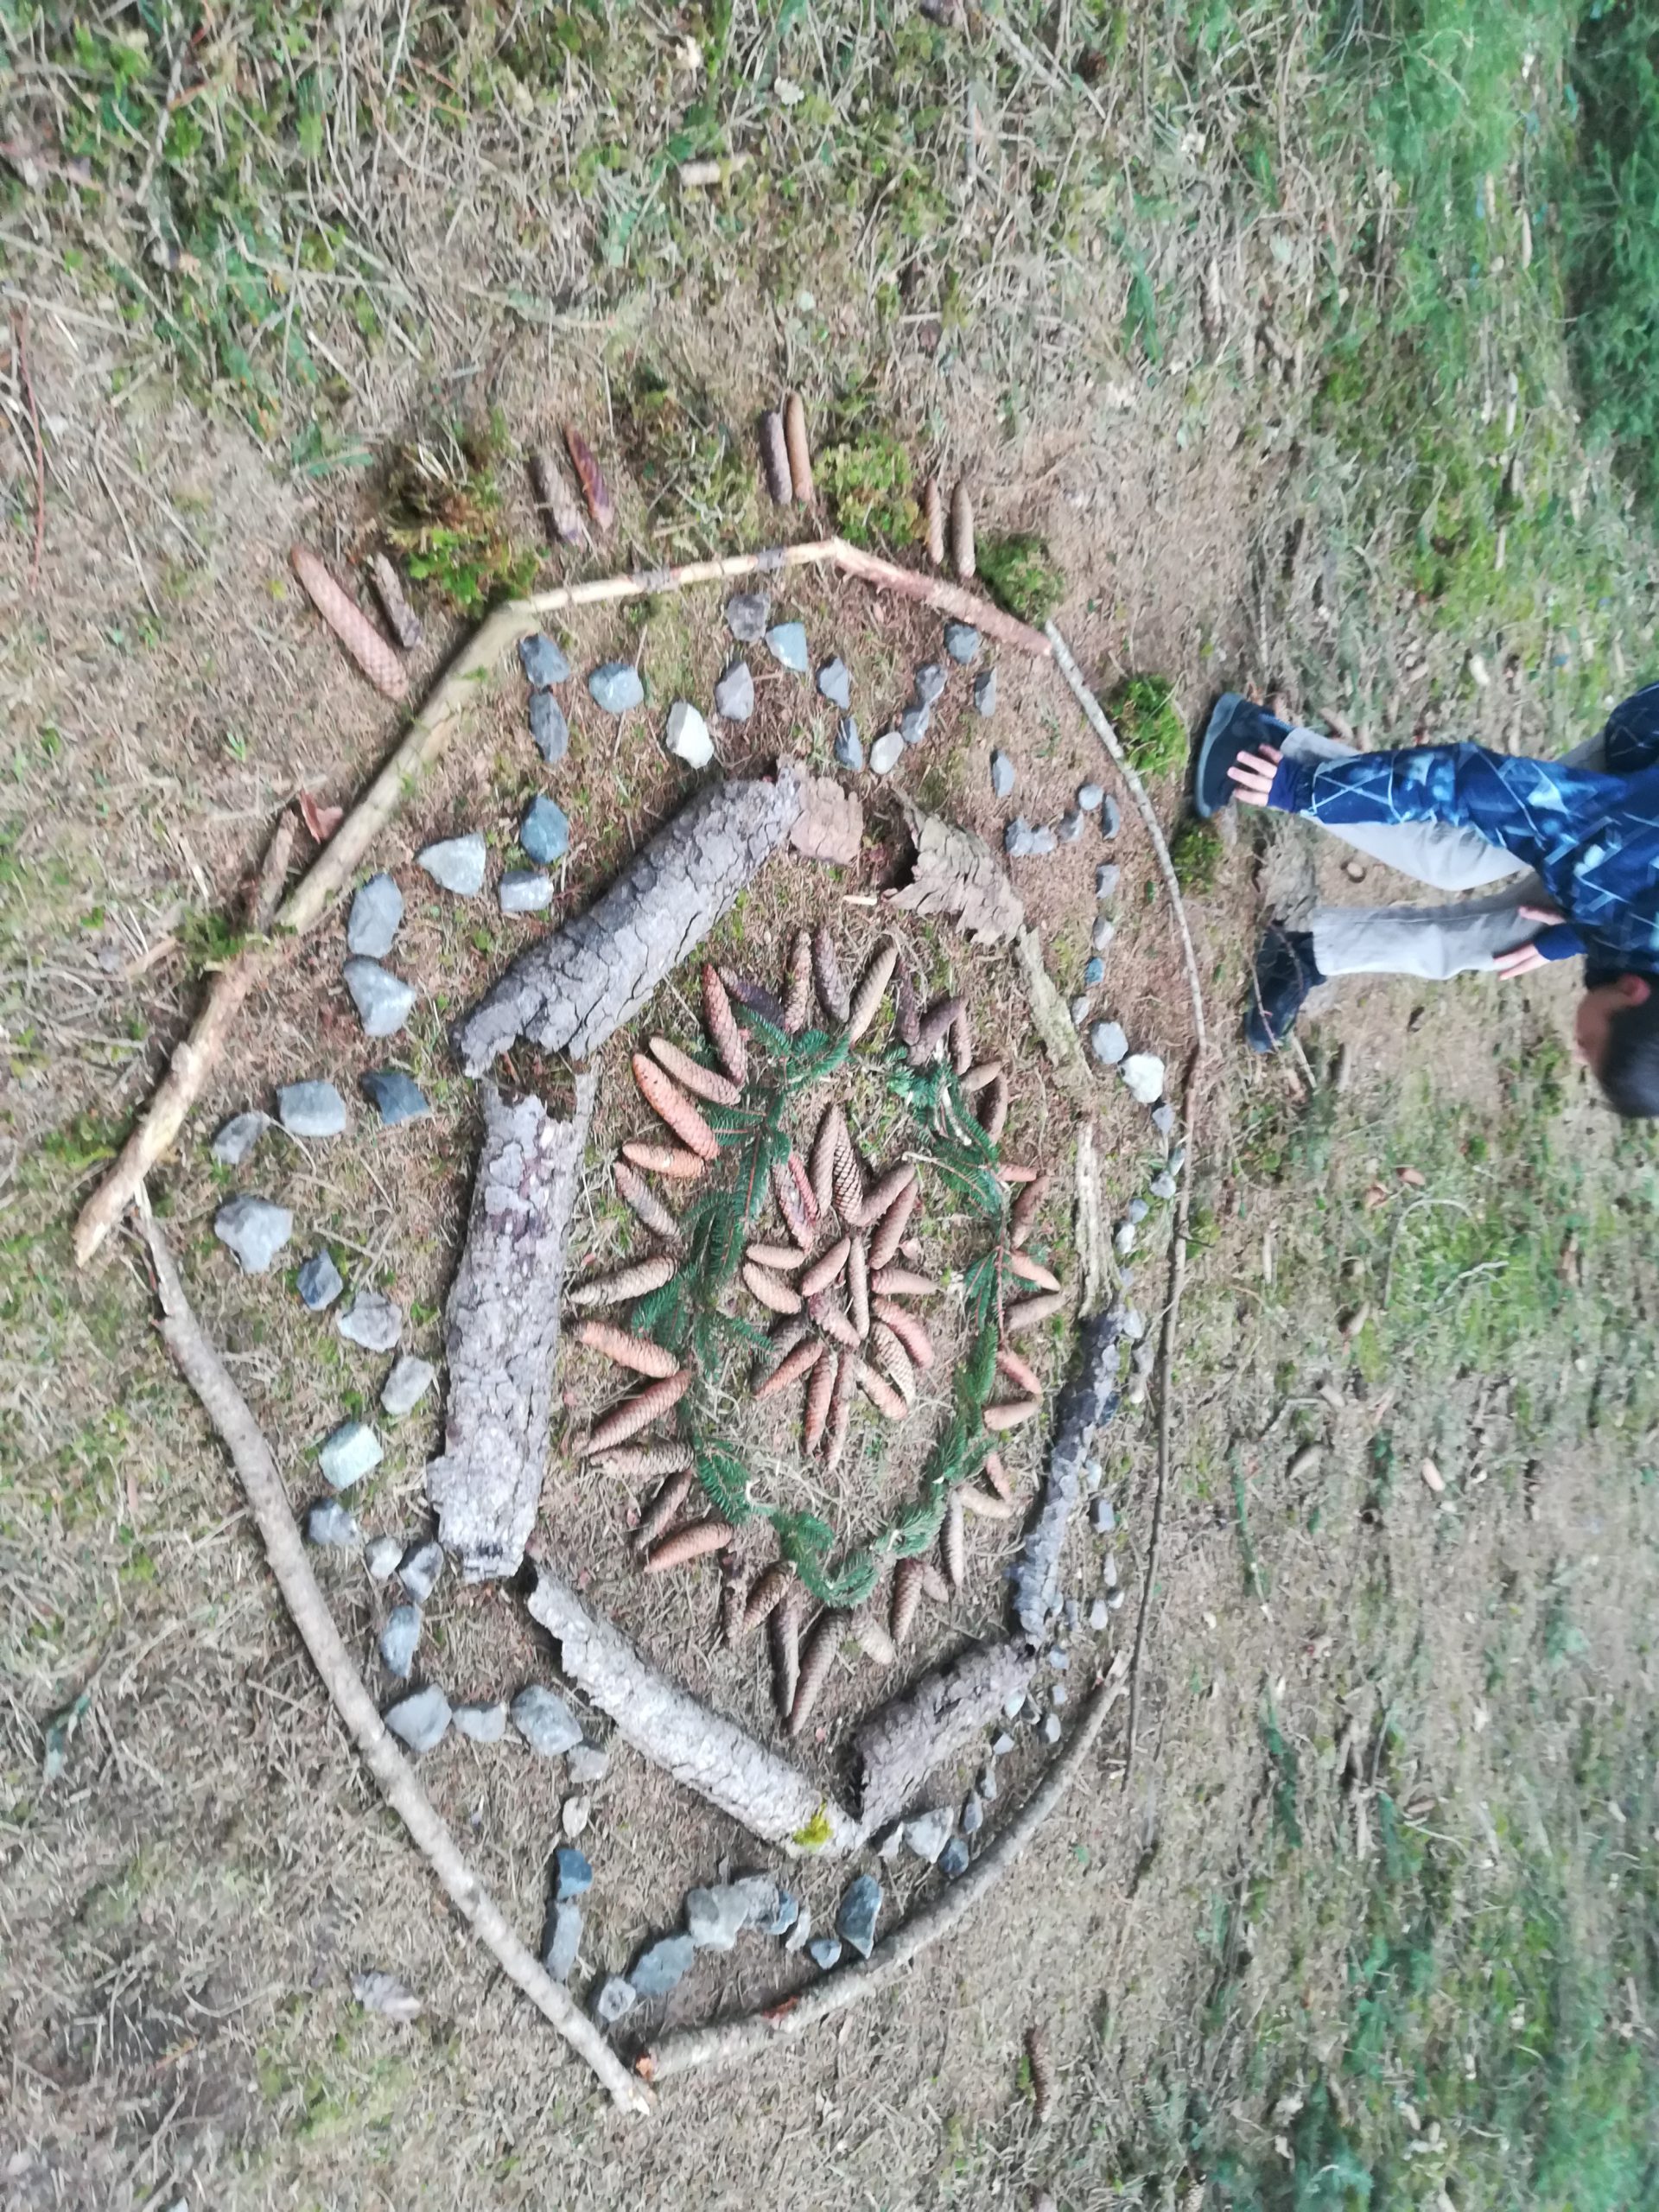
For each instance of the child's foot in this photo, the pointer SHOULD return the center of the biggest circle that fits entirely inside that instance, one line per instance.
(1237, 725)
(1285, 971)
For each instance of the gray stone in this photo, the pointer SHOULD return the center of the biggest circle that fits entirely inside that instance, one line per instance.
(1098, 1615)
(398, 1639)
(788, 1912)
(1059, 1660)
(407, 1384)
(573, 1816)
(1094, 972)
(544, 832)
(1163, 1119)
(1134, 1325)
(714, 1917)
(587, 1762)
(562, 1938)
(1177, 1158)
(824, 1951)
(524, 891)
(748, 613)
(849, 747)
(1137, 1210)
(760, 1894)
(891, 1843)
(319, 1281)
(1021, 842)
(734, 693)
(1162, 1186)
(328, 1523)
(886, 752)
(912, 724)
(376, 912)
(1052, 1728)
(420, 1567)
(549, 732)
(1004, 1743)
(855, 1921)
(930, 684)
(1090, 796)
(797, 1937)
(485, 1724)
(1109, 1570)
(1101, 1518)
(421, 1720)
(1110, 820)
(1058, 1695)
(372, 1321)
(1002, 775)
(686, 735)
(381, 1556)
(384, 1001)
(572, 1875)
(254, 1229)
(348, 1453)
(1073, 1613)
(954, 1859)
(835, 684)
(961, 642)
(985, 693)
(1124, 1239)
(926, 1834)
(456, 864)
(1143, 1077)
(311, 1109)
(786, 643)
(1080, 1011)
(616, 1999)
(544, 1722)
(1103, 933)
(395, 1097)
(663, 1967)
(1115, 1601)
(973, 1815)
(542, 660)
(987, 1784)
(1108, 1043)
(615, 687)
(239, 1136)
(1107, 876)
(1070, 827)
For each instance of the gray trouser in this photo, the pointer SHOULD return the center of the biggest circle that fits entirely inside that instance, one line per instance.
(1432, 942)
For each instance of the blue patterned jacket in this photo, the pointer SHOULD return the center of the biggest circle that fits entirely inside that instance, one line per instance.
(1592, 835)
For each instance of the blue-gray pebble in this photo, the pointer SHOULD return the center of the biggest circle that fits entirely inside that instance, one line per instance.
(398, 1639)
(734, 693)
(255, 1230)
(544, 1722)
(524, 891)
(311, 1109)
(748, 613)
(786, 643)
(561, 1939)
(232, 1144)
(849, 747)
(1002, 777)
(663, 1967)
(328, 1523)
(961, 642)
(1111, 820)
(572, 1875)
(421, 1720)
(456, 864)
(384, 1001)
(824, 1951)
(395, 1095)
(1021, 842)
(835, 684)
(319, 1281)
(348, 1453)
(912, 724)
(953, 1859)
(930, 684)
(376, 912)
(616, 687)
(1094, 971)
(549, 730)
(542, 660)
(985, 693)
(855, 1921)
(544, 833)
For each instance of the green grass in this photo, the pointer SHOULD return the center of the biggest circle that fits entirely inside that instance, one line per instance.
(1020, 575)
(1149, 723)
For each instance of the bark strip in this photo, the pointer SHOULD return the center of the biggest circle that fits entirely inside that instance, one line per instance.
(901, 1745)
(1085, 1405)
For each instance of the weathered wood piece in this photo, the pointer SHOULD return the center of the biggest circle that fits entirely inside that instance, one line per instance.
(1086, 1404)
(501, 1331)
(901, 1744)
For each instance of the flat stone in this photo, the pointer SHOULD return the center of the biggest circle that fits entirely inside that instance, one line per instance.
(1058, 1695)
(1101, 935)
(849, 747)
(1094, 972)
(1124, 1238)
(1090, 796)
(1143, 1077)
(1080, 1011)
(1111, 820)
(456, 864)
(485, 1724)
(798, 1935)
(1109, 1571)
(1002, 774)
(1098, 1615)
(398, 1639)
(573, 1816)
(760, 1893)
(1059, 1660)
(1004, 1743)
(616, 687)
(395, 1097)
(786, 643)
(985, 693)
(420, 1567)
(1163, 1119)
(328, 1523)
(239, 1136)
(930, 684)
(1107, 876)
(886, 752)
(891, 1843)
(319, 1281)
(587, 1762)
(714, 1917)
(986, 1784)
(973, 1815)
(542, 660)
(788, 1912)
(544, 832)
(572, 1875)
(1021, 842)
(1134, 1325)
(1052, 1728)
(663, 1967)
(544, 1722)
(524, 891)
(961, 642)
(1073, 1613)
(372, 1320)
(855, 1921)
(616, 1999)
(954, 1859)
(748, 613)
(835, 684)
(549, 732)
(376, 912)
(1162, 1186)
(407, 1384)
(384, 1001)
(927, 1833)
(686, 735)
(1137, 1210)
(255, 1230)
(824, 1951)
(912, 724)
(1177, 1158)
(562, 1938)
(381, 1556)
(1102, 1517)
(734, 693)
(1070, 827)
(421, 1720)
(348, 1453)
(311, 1109)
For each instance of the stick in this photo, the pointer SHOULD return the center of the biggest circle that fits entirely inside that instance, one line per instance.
(20, 335)
(199, 1362)
(727, 2041)
(948, 598)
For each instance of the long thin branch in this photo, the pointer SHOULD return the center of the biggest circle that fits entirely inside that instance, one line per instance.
(199, 1362)
(727, 2041)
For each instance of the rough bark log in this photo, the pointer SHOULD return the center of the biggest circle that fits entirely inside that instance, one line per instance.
(679, 1734)
(902, 1743)
(501, 1331)
(572, 990)
(1087, 1402)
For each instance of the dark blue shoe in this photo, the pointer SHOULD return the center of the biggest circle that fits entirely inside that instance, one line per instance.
(1237, 725)
(1285, 971)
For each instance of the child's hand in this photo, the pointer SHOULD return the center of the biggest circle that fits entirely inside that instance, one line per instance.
(1525, 957)
(1252, 774)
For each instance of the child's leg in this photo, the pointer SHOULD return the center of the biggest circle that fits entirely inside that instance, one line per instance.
(1431, 942)
(1449, 858)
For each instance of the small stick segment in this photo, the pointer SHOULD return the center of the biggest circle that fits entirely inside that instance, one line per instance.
(774, 458)
(591, 477)
(800, 453)
(553, 497)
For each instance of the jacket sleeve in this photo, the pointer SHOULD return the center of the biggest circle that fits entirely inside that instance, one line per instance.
(1533, 809)
(1559, 941)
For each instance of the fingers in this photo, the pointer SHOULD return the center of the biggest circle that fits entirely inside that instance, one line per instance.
(1539, 913)
(1520, 961)
(1251, 775)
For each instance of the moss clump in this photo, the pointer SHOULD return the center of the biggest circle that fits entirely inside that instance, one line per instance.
(1019, 575)
(1195, 856)
(1143, 709)
(444, 516)
(694, 468)
(865, 476)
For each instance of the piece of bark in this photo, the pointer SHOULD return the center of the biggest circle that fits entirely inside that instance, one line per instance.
(1085, 1405)
(553, 497)
(774, 458)
(1051, 1019)
(394, 602)
(681, 1736)
(501, 1331)
(830, 824)
(899, 1745)
(957, 874)
(570, 991)
(591, 477)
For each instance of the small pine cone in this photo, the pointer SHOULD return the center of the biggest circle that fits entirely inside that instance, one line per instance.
(799, 1360)
(908, 1330)
(819, 1388)
(696, 1541)
(887, 1349)
(1042, 2078)
(703, 1082)
(841, 1408)
(1008, 1413)
(933, 521)
(887, 1188)
(826, 973)
(1023, 1212)
(906, 1597)
(724, 1032)
(789, 1204)
(934, 1588)
(985, 1504)
(663, 1508)
(828, 1317)
(405, 623)
(953, 1543)
(1020, 1372)
(755, 997)
(1028, 1311)
(638, 1195)
(821, 1164)
(634, 1413)
(993, 1108)
(858, 1287)
(872, 989)
(768, 1589)
(962, 531)
(627, 1282)
(874, 1640)
(903, 1283)
(1032, 1271)
(553, 497)
(797, 999)
(771, 1290)
(997, 1475)
(849, 1179)
(774, 459)
(667, 1101)
(822, 1272)
(800, 453)
(638, 1353)
(378, 660)
(818, 1656)
(646, 1460)
(672, 1161)
(891, 1228)
(879, 1392)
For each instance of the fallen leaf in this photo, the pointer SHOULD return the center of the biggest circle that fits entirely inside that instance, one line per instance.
(830, 824)
(1376, 1196)
(321, 820)
(384, 1993)
(1433, 1479)
(957, 874)
(1414, 1176)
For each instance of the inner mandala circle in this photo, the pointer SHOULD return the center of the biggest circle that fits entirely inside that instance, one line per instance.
(794, 1261)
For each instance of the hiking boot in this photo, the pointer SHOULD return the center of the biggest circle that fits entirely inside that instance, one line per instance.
(1285, 971)
(1237, 725)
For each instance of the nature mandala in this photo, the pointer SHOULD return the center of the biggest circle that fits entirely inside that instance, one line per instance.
(793, 1250)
